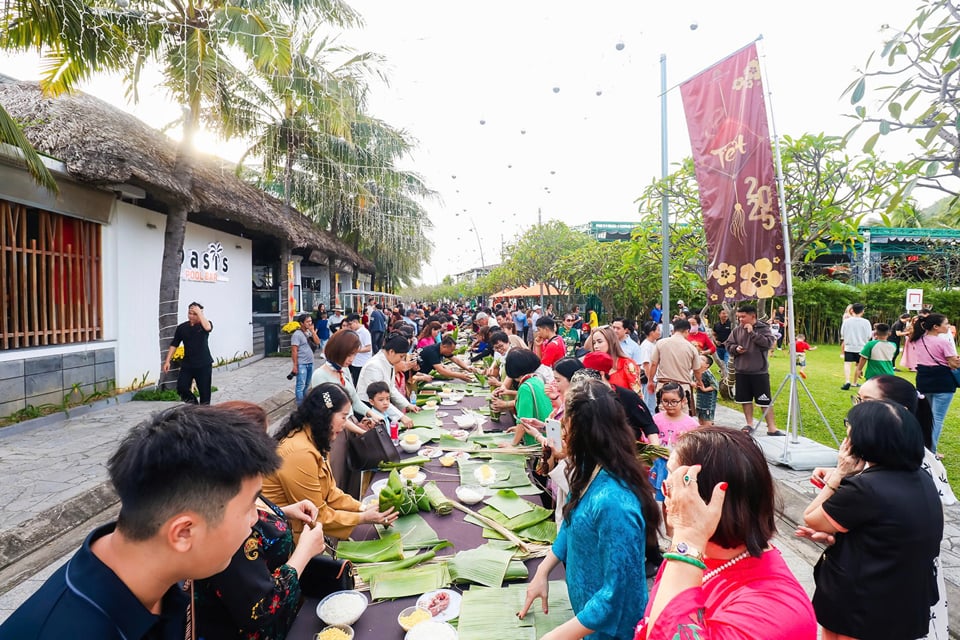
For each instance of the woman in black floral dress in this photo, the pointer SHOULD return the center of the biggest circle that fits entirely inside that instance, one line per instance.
(258, 595)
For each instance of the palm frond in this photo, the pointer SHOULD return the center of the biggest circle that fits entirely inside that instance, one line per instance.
(12, 134)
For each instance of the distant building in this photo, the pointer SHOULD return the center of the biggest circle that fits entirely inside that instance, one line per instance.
(607, 231)
(472, 275)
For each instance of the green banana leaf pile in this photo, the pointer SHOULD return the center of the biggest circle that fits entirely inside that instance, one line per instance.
(405, 497)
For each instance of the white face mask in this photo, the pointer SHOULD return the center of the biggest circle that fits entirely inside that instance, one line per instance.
(694, 329)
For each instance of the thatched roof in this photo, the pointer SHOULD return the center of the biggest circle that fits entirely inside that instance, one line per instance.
(102, 145)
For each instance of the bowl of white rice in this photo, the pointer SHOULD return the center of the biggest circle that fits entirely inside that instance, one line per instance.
(342, 607)
(432, 630)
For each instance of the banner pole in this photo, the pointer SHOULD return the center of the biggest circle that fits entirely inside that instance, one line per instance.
(664, 207)
(794, 398)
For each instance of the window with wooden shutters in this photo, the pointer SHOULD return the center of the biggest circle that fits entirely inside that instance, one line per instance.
(51, 275)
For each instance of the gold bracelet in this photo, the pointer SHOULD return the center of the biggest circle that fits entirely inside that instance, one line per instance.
(834, 489)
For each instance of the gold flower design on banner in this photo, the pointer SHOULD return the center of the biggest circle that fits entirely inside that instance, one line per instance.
(759, 279)
(725, 273)
(729, 292)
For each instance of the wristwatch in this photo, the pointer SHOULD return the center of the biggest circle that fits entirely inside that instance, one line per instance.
(683, 549)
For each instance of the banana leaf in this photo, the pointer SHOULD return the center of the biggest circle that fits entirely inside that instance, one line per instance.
(403, 496)
(432, 432)
(491, 439)
(438, 501)
(484, 565)
(648, 453)
(409, 582)
(382, 550)
(449, 442)
(414, 532)
(516, 571)
(368, 571)
(534, 516)
(511, 474)
(545, 531)
(409, 462)
(509, 503)
(488, 613)
(424, 418)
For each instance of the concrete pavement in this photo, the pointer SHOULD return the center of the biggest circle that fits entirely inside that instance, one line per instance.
(54, 488)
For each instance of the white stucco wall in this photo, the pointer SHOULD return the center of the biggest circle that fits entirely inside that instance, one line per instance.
(133, 252)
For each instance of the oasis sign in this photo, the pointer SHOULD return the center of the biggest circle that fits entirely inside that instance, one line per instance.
(209, 266)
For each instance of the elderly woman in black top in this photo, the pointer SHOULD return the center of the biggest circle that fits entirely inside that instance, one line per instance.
(878, 579)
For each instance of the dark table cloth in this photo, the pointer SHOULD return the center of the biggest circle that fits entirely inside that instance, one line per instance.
(379, 621)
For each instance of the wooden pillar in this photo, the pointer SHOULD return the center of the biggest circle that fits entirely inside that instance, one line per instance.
(286, 265)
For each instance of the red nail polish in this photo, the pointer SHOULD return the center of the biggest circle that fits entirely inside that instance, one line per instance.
(723, 486)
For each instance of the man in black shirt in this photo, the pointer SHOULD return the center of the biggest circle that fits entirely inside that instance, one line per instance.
(431, 359)
(188, 480)
(898, 330)
(197, 363)
(721, 331)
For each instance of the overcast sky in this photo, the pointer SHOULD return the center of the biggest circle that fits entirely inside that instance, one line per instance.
(572, 123)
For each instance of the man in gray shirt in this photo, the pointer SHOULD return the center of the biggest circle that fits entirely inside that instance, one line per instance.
(302, 343)
(854, 334)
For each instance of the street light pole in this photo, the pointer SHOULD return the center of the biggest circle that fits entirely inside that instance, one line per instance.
(664, 204)
(483, 265)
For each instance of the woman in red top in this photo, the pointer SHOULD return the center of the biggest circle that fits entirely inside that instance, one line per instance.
(722, 579)
(625, 372)
(700, 338)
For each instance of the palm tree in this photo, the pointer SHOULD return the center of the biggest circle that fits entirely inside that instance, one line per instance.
(191, 41)
(12, 134)
(317, 149)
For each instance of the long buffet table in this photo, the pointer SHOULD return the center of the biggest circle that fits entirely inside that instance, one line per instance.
(379, 621)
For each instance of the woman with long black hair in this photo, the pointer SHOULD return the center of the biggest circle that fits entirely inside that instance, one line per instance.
(936, 356)
(603, 535)
(304, 445)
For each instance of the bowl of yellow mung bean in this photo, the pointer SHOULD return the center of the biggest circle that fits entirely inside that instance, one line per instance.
(335, 632)
(412, 616)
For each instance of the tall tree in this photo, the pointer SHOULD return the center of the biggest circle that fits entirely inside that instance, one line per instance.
(530, 258)
(190, 41)
(916, 77)
(314, 145)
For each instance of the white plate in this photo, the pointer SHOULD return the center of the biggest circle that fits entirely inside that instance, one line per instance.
(442, 414)
(430, 452)
(452, 610)
(418, 479)
(375, 487)
(448, 403)
(459, 434)
(459, 455)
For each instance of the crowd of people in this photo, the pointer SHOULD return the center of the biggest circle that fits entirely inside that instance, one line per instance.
(220, 523)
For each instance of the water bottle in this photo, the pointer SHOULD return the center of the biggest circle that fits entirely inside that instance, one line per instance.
(395, 431)
(413, 398)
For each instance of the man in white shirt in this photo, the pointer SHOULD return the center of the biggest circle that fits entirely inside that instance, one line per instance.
(630, 348)
(854, 334)
(352, 322)
(537, 312)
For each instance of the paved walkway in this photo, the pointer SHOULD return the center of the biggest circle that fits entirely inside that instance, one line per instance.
(53, 478)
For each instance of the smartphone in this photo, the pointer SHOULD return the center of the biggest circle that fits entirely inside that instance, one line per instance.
(553, 434)
(817, 482)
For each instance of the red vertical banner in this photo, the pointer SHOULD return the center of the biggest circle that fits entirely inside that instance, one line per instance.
(727, 123)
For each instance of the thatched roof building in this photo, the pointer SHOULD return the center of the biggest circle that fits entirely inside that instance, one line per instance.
(102, 145)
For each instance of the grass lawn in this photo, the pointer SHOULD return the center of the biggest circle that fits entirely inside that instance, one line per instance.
(824, 379)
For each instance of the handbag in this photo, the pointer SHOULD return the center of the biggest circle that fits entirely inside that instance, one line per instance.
(954, 372)
(324, 575)
(370, 449)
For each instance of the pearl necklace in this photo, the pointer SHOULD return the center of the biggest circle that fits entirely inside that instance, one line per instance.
(726, 565)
